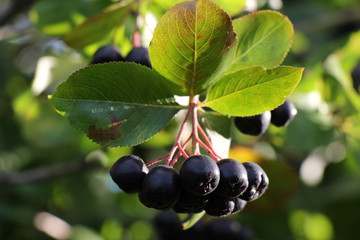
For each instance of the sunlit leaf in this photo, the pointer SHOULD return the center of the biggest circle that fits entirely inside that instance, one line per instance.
(253, 90)
(96, 27)
(193, 45)
(265, 37)
(116, 104)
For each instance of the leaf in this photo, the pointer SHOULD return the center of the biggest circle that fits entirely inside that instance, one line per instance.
(116, 104)
(193, 45)
(96, 27)
(252, 90)
(265, 37)
(192, 220)
(230, 6)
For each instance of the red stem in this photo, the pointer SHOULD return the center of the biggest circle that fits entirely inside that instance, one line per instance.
(157, 160)
(178, 139)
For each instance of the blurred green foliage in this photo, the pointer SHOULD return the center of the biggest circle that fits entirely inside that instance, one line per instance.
(51, 173)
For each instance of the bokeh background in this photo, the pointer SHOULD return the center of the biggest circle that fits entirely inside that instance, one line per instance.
(54, 182)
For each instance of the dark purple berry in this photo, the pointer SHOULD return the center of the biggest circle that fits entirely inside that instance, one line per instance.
(168, 226)
(108, 53)
(139, 55)
(253, 125)
(128, 173)
(219, 206)
(227, 229)
(233, 178)
(284, 114)
(199, 174)
(190, 203)
(161, 188)
(258, 182)
(239, 205)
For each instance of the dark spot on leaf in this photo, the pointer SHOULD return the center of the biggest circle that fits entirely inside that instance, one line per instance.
(104, 135)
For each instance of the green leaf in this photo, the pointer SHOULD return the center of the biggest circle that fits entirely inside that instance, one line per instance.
(252, 90)
(116, 104)
(192, 219)
(193, 44)
(265, 37)
(96, 27)
(230, 6)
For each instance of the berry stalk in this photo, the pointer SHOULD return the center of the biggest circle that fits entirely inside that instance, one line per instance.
(179, 148)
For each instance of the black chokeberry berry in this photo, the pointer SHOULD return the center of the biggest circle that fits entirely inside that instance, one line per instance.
(168, 226)
(199, 174)
(190, 203)
(233, 178)
(258, 182)
(219, 206)
(161, 188)
(107, 53)
(253, 125)
(227, 229)
(128, 172)
(139, 55)
(284, 114)
(239, 205)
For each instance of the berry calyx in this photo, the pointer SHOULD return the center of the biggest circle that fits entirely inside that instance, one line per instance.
(107, 53)
(233, 178)
(253, 125)
(161, 188)
(258, 182)
(199, 174)
(128, 172)
(284, 114)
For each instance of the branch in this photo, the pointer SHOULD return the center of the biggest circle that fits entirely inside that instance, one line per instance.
(45, 173)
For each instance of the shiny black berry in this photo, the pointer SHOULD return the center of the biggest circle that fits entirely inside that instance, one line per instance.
(199, 175)
(128, 173)
(190, 203)
(239, 205)
(108, 53)
(233, 178)
(161, 188)
(139, 55)
(258, 182)
(219, 206)
(284, 114)
(253, 125)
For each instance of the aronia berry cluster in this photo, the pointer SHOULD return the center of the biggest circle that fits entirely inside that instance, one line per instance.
(220, 188)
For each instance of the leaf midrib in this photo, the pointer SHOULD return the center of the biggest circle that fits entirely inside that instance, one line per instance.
(124, 103)
(257, 43)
